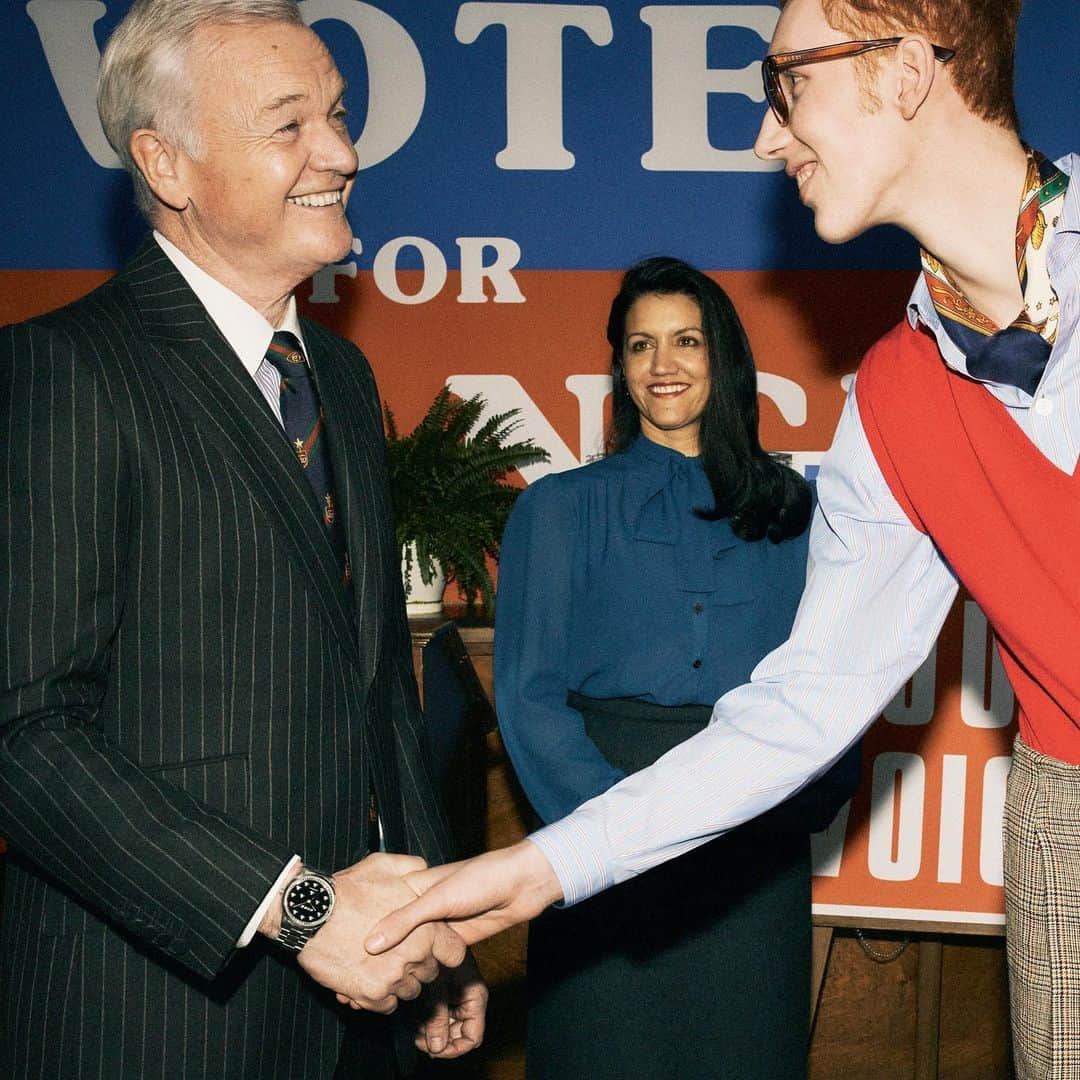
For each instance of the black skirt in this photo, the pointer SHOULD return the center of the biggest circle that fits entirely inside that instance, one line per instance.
(699, 968)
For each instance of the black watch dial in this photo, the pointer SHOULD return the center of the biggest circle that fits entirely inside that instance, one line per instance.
(308, 902)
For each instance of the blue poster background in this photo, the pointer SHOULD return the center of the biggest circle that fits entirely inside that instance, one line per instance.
(61, 210)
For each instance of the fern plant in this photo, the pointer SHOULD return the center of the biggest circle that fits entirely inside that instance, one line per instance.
(447, 483)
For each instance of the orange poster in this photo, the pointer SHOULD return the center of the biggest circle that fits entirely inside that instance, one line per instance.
(921, 840)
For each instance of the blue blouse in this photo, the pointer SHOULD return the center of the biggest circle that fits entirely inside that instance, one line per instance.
(611, 586)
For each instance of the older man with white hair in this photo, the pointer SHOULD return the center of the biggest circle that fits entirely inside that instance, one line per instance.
(207, 708)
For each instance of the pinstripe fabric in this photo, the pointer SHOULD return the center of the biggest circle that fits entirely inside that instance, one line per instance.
(1042, 893)
(186, 698)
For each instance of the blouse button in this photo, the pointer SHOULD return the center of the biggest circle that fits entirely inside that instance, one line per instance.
(699, 608)
(696, 663)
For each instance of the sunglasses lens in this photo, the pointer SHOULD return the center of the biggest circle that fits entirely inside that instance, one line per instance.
(773, 94)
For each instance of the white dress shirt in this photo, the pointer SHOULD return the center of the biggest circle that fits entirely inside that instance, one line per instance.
(245, 329)
(877, 593)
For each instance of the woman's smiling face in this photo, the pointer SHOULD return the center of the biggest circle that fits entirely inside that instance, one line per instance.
(666, 362)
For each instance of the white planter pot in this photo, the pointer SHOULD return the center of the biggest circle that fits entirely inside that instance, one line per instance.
(421, 599)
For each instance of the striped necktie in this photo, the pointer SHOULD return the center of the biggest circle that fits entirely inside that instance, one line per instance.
(304, 424)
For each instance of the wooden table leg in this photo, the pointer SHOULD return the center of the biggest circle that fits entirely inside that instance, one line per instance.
(928, 1010)
(820, 944)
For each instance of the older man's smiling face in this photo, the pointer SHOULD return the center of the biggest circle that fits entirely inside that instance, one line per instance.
(267, 190)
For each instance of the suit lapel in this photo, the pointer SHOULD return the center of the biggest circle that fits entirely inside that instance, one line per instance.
(206, 380)
(354, 426)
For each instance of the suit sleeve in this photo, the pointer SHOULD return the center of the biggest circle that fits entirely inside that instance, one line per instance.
(140, 851)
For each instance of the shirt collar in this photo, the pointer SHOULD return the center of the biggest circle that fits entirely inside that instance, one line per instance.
(245, 329)
(921, 308)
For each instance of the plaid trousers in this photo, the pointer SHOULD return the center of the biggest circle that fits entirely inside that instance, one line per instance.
(1042, 907)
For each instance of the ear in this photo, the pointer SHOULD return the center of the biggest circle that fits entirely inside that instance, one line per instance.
(917, 70)
(158, 161)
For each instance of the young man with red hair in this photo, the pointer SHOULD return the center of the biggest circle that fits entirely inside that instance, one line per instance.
(954, 461)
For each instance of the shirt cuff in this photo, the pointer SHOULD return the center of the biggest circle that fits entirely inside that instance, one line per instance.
(252, 927)
(577, 859)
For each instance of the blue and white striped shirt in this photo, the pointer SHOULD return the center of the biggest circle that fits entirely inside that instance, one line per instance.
(877, 593)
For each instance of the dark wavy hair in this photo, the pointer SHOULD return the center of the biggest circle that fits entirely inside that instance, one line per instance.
(757, 492)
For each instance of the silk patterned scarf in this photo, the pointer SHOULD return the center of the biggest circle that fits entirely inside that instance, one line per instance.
(1017, 354)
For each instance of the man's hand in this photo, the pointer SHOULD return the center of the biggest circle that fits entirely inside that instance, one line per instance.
(452, 1011)
(335, 957)
(477, 897)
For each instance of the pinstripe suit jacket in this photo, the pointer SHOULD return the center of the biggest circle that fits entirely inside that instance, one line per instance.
(187, 699)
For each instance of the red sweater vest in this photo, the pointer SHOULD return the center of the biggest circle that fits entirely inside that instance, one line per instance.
(1004, 517)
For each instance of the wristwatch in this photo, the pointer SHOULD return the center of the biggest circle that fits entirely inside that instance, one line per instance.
(306, 904)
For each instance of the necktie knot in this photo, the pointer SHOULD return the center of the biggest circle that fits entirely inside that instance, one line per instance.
(287, 355)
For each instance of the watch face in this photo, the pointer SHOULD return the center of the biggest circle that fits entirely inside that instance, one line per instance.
(308, 901)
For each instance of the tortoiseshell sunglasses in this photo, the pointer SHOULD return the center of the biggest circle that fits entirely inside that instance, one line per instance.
(774, 65)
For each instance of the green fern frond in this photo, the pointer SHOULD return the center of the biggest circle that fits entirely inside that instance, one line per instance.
(448, 490)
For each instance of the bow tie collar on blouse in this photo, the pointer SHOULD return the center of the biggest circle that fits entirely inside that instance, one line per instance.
(667, 487)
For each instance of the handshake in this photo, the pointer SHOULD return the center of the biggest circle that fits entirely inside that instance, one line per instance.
(430, 966)
(400, 931)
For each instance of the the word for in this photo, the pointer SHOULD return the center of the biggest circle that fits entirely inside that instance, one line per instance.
(474, 271)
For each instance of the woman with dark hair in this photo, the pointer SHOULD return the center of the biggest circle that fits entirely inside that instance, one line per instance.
(760, 495)
(633, 592)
